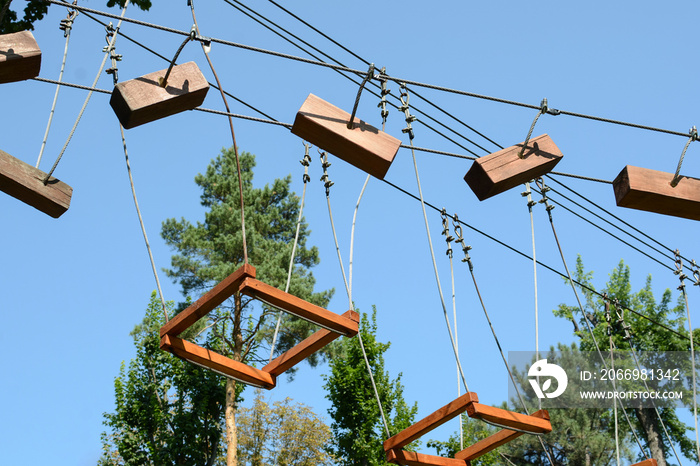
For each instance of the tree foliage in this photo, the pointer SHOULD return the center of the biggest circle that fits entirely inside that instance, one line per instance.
(358, 431)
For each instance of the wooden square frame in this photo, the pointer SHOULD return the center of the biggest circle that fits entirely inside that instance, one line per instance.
(243, 281)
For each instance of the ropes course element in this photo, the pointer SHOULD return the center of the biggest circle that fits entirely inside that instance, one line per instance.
(530, 205)
(608, 319)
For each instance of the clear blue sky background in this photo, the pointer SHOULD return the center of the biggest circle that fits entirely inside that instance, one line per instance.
(74, 288)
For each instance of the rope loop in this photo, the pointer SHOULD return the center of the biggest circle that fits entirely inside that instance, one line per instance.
(460, 240)
(696, 272)
(368, 76)
(679, 270)
(544, 190)
(383, 79)
(406, 110)
(306, 161)
(543, 110)
(528, 193)
(163, 81)
(446, 232)
(327, 183)
(693, 137)
(67, 23)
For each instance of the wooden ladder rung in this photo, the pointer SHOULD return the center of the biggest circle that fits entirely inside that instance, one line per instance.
(142, 100)
(26, 183)
(20, 57)
(503, 170)
(651, 462)
(298, 307)
(651, 191)
(494, 441)
(363, 146)
(305, 348)
(411, 458)
(216, 362)
(505, 418)
(430, 422)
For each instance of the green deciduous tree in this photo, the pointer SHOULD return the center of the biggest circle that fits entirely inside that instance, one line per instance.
(208, 251)
(282, 434)
(358, 431)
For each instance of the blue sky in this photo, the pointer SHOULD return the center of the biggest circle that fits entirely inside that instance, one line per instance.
(73, 288)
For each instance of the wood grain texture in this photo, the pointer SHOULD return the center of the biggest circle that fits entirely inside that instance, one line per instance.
(142, 100)
(494, 441)
(411, 458)
(298, 307)
(507, 418)
(26, 183)
(217, 362)
(651, 191)
(503, 170)
(20, 57)
(305, 348)
(363, 146)
(430, 422)
(213, 298)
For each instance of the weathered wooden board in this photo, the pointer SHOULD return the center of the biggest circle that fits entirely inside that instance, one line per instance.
(503, 170)
(142, 100)
(651, 191)
(430, 422)
(494, 441)
(298, 307)
(26, 183)
(305, 348)
(363, 146)
(412, 458)
(20, 57)
(217, 362)
(651, 462)
(217, 295)
(507, 418)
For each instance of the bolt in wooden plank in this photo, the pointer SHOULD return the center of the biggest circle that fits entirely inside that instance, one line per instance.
(430, 422)
(494, 441)
(20, 57)
(412, 458)
(26, 183)
(651, 191)
(507, 418)
(142, 100)
(300, 308)
(305, 348)
(503, 170)
(217, 362)
(363, 146)
(213, 298)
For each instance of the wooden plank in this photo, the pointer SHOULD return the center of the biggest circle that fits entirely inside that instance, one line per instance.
(142, 100)
(651, 462)
(300, 308)
(208, 302)
(507, 418)
(503, 170)
(651, 191)
(26, 183)
(305, 348)
(217, 362)
(363, 146)
(412, 458)
(494, 441)
(430, 422)
(20, 57)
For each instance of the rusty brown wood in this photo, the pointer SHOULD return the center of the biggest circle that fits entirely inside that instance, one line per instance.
(651, 191)
(503, 170)
(26, 183)
(20, 57)
(363, 146)
(142, 100)
(412, 458)
(651, 462)
(507, 418)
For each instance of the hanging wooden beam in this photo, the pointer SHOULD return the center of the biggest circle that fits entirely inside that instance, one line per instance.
(142, 100)
(20, 57)
(503, 170)
(494, 441)
(430, 422)
(26, 183)
(300, 308)
(507, 418)
(651, 191)
(412, 458)
(363, 145)
(207, 303)
(651, 462)
(214, 361)
(306, 348)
